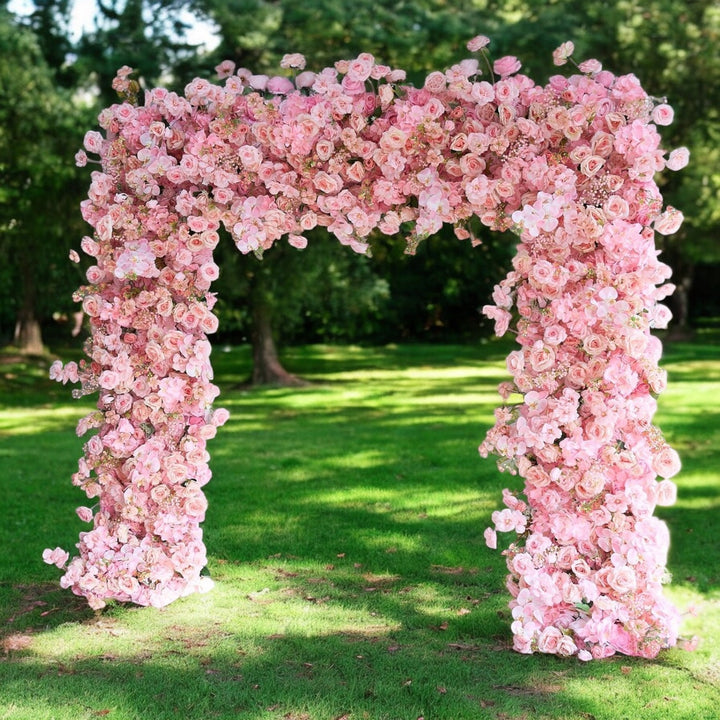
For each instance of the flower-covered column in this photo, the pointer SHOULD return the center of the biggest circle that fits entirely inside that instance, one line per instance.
(149, 310)
(587, 569)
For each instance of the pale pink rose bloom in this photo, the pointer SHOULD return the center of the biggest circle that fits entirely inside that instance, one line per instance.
(305, 80)
(590, 66)
(297, 241)
(666, 462)
(669, 222)
(293, 60)
(279, 85)
(562, 53)
(622, 579)
(225, 69)
(566, 646)
(478, 43)
(395, 76)
(57, 557)
(506, 65)
(93, 141)
(666, 493)
(435, 82)
(359, 70)
(258, 82)
(500, 316)
(84, 513)
(678, 159)
(591, 165)
(663, 114)
(549, 640)
(490, 538)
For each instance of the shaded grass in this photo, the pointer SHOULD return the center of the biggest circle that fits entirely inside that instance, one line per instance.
(345, 539)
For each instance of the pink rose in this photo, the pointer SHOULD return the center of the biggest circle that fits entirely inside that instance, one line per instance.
(57, 557)
(279, 85)
(669, 222)
(622, 579)
(549, 640)
(663, 114)
(293, 60)
(666, 493)
(561, 54)
(84, 513)
(359, 69)
(478, 43)
(591, 66)
(666, 462)
(678, 159)
(490, 538)
(258, 82)
(591, 165)
(297, 241)
(225, 69)
(506, 65)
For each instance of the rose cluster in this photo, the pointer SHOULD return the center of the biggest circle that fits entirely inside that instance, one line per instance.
(568, 166)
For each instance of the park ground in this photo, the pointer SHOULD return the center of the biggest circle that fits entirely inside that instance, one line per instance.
(345, 539)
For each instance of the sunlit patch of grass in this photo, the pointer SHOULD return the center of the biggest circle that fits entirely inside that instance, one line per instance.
(345, 540)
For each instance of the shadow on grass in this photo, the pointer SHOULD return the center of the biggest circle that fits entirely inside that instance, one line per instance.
(368, 673)
(369, 512)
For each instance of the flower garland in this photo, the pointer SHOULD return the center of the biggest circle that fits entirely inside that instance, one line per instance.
(568, 166)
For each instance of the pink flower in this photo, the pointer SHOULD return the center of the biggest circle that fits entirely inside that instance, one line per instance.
(666, 493)
(490, 538)
(279, 85)
(57, 557)
(293, 60)
(478, 43)
(622, 579)
(297, 241)
(507, 65)
(225, 69)
(561, 54)
(93, 142)
(84, 513)
(669, 222)
(663, 114)
(359, 69)
(678, 159)
(590, 66)
(666, 462)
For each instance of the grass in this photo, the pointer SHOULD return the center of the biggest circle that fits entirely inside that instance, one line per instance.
(345, 539)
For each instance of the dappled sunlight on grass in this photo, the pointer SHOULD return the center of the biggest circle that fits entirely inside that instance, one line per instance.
(30, 421)
(345, 539)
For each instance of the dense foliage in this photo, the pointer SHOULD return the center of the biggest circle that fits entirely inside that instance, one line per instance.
(670, 45)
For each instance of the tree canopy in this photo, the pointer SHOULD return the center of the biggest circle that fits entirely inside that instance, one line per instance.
(48, 80)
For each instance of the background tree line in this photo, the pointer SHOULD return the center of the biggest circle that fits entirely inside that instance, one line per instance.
(52, 84)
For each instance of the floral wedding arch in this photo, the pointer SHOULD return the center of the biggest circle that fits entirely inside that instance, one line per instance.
(568, 166)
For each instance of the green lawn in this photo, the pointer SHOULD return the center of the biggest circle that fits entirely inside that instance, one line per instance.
(345, 536)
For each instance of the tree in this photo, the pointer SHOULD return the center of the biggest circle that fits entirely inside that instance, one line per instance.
(38, 181)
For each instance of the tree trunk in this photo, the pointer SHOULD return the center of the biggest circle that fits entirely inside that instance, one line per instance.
(28, 336)
(680, 328)
(267, 368)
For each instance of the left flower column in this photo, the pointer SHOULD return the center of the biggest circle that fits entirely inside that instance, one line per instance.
(149, 310)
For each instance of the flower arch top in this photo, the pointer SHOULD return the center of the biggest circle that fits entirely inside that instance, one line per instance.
(568, 166)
